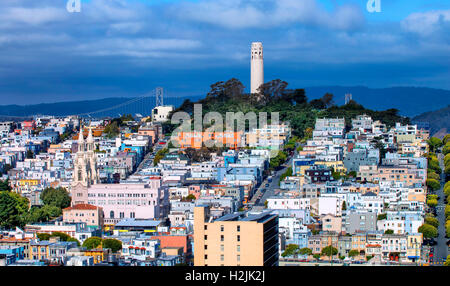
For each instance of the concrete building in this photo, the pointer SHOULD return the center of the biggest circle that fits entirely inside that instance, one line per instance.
(89, 214)
(161, 113)
(359, 221)
(257, 66)
(235, 239)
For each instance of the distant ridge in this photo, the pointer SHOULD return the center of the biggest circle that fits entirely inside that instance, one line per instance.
(410, 101)
(439, 121)
(86, 106)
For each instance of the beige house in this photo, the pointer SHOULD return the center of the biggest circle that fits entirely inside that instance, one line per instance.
(89, 214)
(331, 223)
(235, 239)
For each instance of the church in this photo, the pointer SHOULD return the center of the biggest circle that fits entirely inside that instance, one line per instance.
(85, 172)
(149, 200)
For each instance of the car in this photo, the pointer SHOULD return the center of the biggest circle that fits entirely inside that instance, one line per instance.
(267, 185)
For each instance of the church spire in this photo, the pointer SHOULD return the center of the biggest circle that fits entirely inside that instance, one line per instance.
(81, 140)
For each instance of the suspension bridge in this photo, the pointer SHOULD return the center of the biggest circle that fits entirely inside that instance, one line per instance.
(141, 105)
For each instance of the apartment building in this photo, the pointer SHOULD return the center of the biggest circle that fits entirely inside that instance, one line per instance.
(235, 239)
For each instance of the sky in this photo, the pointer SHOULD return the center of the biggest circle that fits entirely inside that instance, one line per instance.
(127, 48)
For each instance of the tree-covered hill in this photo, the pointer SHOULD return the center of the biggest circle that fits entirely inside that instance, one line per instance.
(292, 104)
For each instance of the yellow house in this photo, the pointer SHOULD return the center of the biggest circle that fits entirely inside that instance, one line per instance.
(338, 166)
(414, 246)
(99, 254)
(39, 250)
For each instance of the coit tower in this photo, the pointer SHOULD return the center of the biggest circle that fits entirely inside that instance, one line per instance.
(257, 67)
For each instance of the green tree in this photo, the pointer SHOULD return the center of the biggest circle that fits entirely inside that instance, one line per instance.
(4, 185)
(433, 184)
(291, 249)
(92, 242)
(446, 139)
(43, 236)
(114, 244)
(329, 251)
(389, 231)
(381, 216)
(353, 253)
(13, 209)
(286, 174)
(432, 175)
(432, 221)
(160, 155)
(447, 211)
(58, 197)
(305, 251)
(344, 206)
(447, 261)
(316, 256)
(446, 149)
(428, 231)
(434, 143)
(190, 198)
(432, 203)
(447, 159)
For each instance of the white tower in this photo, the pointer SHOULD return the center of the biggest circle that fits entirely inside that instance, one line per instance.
(257, 67)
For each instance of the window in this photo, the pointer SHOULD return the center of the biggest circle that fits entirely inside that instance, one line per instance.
(221, 238)
(222, 248)
(239, 248)
(221, 228)
(222, 257)
(238, 238)
(206, 227)
(206, 256)
(206, 237)
(206, 246)
(238, 258)
(238, 228)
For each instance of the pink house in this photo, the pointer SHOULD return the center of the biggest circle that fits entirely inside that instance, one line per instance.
(130, 200)
(195, 190)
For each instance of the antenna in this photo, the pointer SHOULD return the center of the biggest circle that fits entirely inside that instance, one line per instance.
(159, 94)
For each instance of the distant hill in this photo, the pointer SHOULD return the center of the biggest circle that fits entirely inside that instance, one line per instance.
(439, 121)
(410, 101)
(110, 106)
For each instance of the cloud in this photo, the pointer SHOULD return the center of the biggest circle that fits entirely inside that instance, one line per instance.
(241, 14)
(137, 47)
(427, 23)
(31, 16)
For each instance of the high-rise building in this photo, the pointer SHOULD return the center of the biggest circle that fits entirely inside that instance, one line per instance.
(235, 239)
(257, 66)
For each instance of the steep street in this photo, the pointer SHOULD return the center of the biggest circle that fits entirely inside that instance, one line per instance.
(441, 249)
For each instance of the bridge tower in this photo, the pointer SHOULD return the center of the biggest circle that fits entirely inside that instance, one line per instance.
(159, 95)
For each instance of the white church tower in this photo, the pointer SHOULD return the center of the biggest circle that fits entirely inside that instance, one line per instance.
(257, 67)
(85, 171)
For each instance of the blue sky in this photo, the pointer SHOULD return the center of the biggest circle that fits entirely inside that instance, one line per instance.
(126, 48)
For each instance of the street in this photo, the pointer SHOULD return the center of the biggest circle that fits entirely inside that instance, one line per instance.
(270, 190)
(441, 249)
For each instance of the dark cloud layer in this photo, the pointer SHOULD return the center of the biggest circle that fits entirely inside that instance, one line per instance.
(126, 48)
